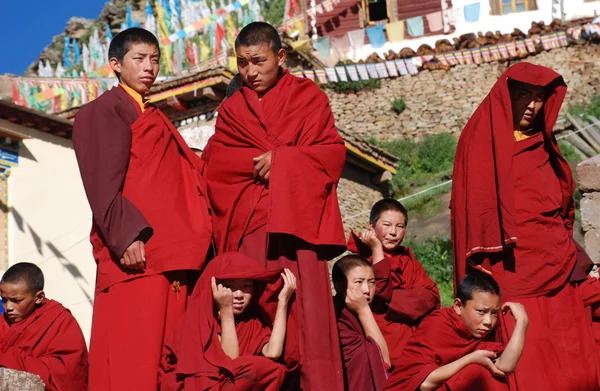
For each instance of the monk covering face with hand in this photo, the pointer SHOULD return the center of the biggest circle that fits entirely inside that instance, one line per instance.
(455, 348)
(151, 230)
(512, 216)
(233, 333)
(404, 292)
(39, 335)
(272, 169)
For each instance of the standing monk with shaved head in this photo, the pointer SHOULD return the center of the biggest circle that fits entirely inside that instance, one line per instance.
(272, 170)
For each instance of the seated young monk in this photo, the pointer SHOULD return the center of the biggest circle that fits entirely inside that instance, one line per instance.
(275, 136)
(39, 335)
(456, 348)
(364, 349)
(404, 293)
(221, 343)
(512, 215)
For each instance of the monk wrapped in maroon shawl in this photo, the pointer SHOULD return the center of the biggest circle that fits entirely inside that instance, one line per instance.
(405, 294)
(151, 230)
(364, 349)
(458, 348)
(512, 216)
(38, 335)
(272, 169)
(200, 354)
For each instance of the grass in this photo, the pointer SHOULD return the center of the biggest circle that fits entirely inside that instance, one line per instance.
(435, 254)
(398, 105)
(593, 108)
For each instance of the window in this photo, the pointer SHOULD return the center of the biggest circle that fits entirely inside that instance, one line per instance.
(505, 7)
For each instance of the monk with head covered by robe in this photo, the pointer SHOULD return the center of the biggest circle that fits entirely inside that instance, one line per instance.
(272, 169)
(457, 348)
(151, 230)
(512, 216)
(233, 332)
(364, 349)
(404, 292)
(39, 335)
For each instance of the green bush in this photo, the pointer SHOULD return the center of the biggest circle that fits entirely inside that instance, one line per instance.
(398, 105)
(435, 254)
(274, 12)
(593, 108)
(353, 87)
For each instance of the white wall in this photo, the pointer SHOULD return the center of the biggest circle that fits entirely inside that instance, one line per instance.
(573, 9)
(50, 220)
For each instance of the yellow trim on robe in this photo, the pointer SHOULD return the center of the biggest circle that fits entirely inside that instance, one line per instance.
(137, 96)
(523, 135)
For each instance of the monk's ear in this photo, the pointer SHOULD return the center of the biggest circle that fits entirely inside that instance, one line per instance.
(281, 57)
(458, 306)
(40, 297)
(115, 65)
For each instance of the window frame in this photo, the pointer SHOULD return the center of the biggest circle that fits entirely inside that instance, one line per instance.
(514, 4)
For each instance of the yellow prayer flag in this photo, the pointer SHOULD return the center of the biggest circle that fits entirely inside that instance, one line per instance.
(395, 31)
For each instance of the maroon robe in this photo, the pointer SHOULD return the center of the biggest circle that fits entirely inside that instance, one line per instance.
(404, 294)
(294, 221)
(142, 183)
(442, 338)
(48, 343)
(364, 367)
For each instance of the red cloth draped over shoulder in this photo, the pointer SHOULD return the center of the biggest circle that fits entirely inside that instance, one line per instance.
(154, 181)
(193, 356)
(364, 367)
(441, 338)
(48, 343)
(485, 213)
(404, 294)
(294, 121)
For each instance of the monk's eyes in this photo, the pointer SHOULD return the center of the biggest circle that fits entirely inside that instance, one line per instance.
(539, 98)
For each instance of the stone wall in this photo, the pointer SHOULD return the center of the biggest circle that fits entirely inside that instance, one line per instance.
(588, 174)
(11, 380)
(442, 101)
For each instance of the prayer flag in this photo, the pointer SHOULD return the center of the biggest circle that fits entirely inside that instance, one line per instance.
(391, 67)
(395, 31)
(415, 26)
(376, 36)
(352, 72)
(341, 72)
(362, 71)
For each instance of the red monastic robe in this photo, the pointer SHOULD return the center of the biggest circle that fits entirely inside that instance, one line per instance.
(48, 343)
(364, 367)
(440, 339)
(142, 182)
(193, 358)
(404, 295)
(294, 221)
(512, 216)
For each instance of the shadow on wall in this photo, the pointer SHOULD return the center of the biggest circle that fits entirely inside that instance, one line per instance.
(56, 253)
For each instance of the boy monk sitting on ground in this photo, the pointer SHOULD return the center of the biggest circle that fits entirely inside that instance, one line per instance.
(364, 349)
(457, 347)
(39, 335)
(404, 293)
(221, 343)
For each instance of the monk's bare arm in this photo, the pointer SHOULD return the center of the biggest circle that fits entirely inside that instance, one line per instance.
(223, 298)
(507, 362)
(274, 348)
(357, 303)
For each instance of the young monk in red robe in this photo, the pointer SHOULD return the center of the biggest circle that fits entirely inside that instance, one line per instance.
(272, 169)
(151, 229)
(405, 293)
(456, 348)
(364, 349)
(39, 335)
(222, 343)
(512, 216)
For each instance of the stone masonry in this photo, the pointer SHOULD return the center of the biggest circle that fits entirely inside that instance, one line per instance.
(442, 101)
(588, 174)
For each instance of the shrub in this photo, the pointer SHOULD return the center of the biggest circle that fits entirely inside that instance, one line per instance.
(353, 87)
(398, 105)
(435, 254)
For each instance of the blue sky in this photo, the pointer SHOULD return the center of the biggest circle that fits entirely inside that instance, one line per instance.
(29, 26)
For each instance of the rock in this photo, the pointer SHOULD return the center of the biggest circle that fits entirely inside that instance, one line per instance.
(588, 174)
(11, 380)
(592, 245)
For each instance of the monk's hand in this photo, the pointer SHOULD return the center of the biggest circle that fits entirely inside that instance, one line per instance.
(518, 312)
(289, 286)
(356, 300)
(134, 257)
(222, 296)
(486, 358)
(370, 239)
(262, 166)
